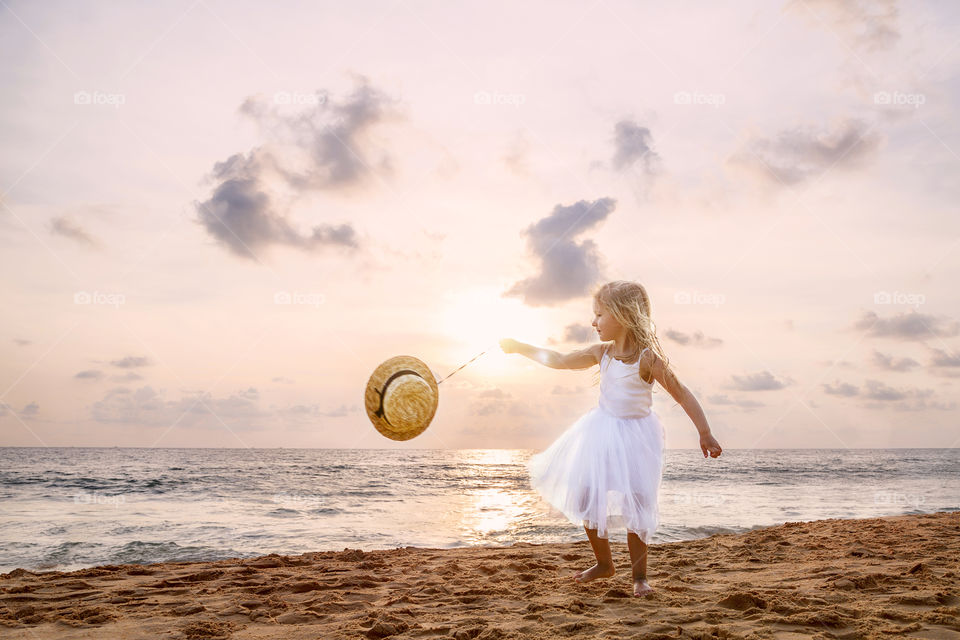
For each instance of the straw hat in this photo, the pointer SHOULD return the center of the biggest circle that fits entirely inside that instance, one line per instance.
(401, 397)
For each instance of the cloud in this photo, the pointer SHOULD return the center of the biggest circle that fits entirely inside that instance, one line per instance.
(578, 333)
(843, 389)
(910, 325)
(567, 268)
(763, 381)
(889, 363)
(632, 144)
(129, 376)
(332, 136)
(798, 154)
(919, 404)
(877, 390)
(871, 25)
(496, 400)
(695, 339)
(21, 342)
(89, 374)
(943, 359)
(131, 362)
(882, 396)
(147, 407)
(312, 411)
(65, 227)
(28, 411)
(325, 148)
(241, 216)
(902, 399)
(239, 411)
(846, 364)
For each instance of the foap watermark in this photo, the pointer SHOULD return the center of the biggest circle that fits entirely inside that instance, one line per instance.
(714, 100)
(899, 297)
(899, 99)
(497, 98)
(299, 98)
(100, 98)
(892, 498)
(100, 298)
(298, 297)
(99, 499)
(698, 297)
(297, 501)
(699, 499)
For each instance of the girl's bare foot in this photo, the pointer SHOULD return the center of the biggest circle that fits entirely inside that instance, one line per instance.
(594, 572)
(641, 587)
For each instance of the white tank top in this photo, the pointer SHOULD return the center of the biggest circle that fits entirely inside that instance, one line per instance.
(623, 392)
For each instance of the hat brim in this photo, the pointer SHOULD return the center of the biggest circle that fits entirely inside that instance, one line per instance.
(421, 404)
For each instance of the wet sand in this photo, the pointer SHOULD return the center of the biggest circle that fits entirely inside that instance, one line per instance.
(891, 577)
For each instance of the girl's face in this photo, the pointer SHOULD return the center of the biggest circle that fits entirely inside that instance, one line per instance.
(606, 325)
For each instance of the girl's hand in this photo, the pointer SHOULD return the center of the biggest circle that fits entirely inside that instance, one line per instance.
(509, 345)
(709, 444)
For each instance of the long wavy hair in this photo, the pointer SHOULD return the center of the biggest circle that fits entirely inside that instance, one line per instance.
(629, 304)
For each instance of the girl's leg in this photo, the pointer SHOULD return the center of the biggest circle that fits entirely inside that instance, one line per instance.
(638, 564)
(601, 549)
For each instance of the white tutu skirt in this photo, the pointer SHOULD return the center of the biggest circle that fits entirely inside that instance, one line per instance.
(604, 471)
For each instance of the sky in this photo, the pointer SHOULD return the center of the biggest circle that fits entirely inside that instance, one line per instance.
(217, 218)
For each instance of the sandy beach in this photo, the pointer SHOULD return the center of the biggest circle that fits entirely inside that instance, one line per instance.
(874, 578)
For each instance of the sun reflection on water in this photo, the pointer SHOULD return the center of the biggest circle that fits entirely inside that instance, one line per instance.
(493, 498)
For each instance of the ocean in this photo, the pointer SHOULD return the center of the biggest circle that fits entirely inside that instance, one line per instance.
(69, 508)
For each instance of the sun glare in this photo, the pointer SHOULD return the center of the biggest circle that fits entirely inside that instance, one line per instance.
(478, 318)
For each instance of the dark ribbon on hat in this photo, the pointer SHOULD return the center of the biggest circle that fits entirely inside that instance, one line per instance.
(379, 412)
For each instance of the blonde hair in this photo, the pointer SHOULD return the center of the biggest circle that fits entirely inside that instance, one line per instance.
(629, 304)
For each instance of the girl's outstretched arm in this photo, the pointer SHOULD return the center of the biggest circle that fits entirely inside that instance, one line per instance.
(581, 359)
(683, 395)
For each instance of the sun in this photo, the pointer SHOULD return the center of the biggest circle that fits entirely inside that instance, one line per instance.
(478, 317)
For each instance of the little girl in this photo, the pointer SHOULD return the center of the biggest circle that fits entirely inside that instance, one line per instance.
(609, 462)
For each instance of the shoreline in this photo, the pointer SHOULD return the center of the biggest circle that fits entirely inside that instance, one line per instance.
(836, 578)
